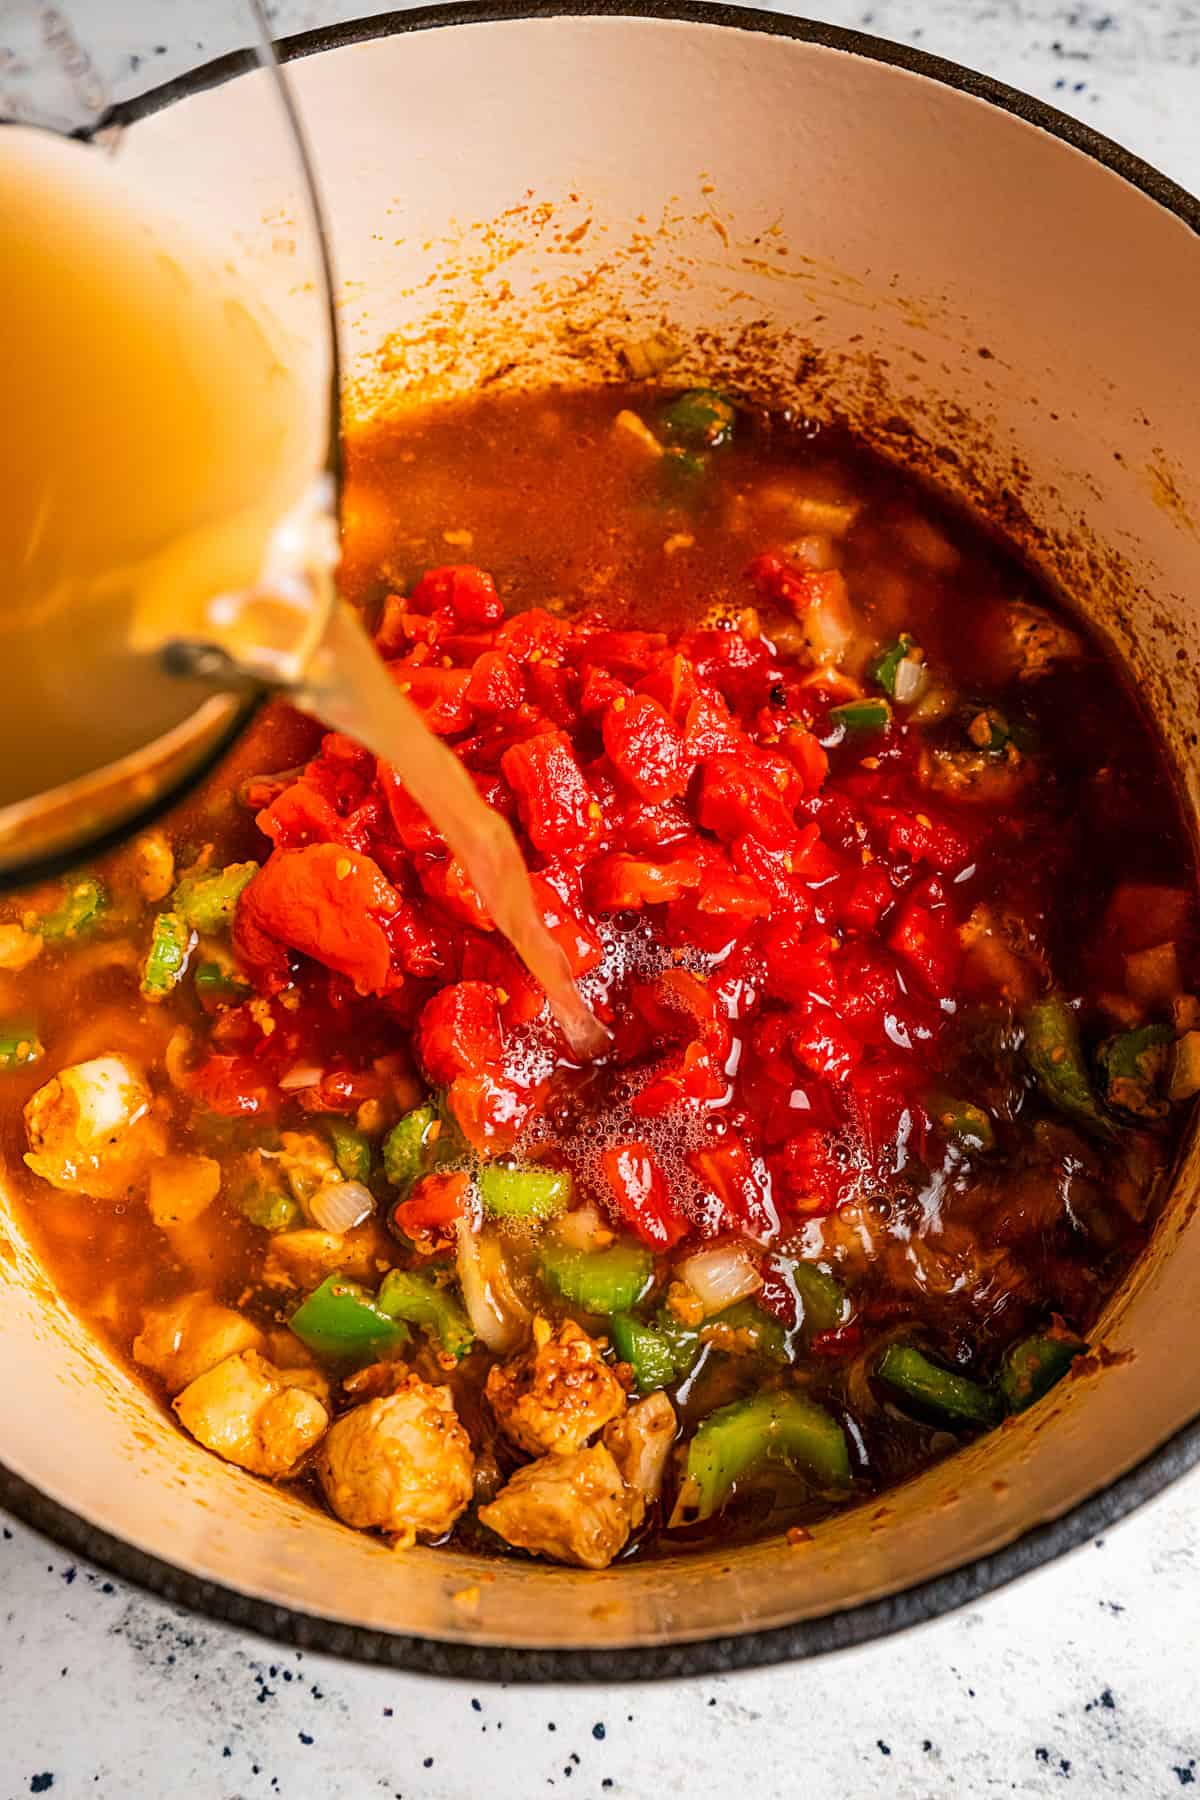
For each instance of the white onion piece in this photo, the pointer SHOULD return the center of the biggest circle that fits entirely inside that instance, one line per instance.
(339, 1206)
(583, 1228)
(912, 678)
(301, 1075)
(719, 1277)
(496, 1312)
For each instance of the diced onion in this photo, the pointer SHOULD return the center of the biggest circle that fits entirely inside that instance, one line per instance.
(300, 1075)
(339, 1206)
(496, 1312)
(583, 1228)
(912, 677)
(719, 1277)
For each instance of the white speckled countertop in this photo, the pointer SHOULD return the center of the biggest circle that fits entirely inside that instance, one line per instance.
(1082, 1679)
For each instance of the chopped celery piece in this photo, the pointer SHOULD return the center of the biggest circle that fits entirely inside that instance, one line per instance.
(1133, 1067)
(271, 1209)
(954, 1399)
(167, 959)
(1053, 1051)
(883, 669)
(524, 1193)
(207, 900)
(341, 1319)
(419, 1301)
(82, 905)
(961, 1122)
(408, 1146)
(1031, 1368)
(857, 717)
(19, 1046)
(599, 1281)
(646, 1350)
(738, 1439)
(351, 1150)
(760, 1333)
(702, 417)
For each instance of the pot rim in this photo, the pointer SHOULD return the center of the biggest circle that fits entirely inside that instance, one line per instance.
(754, 1649)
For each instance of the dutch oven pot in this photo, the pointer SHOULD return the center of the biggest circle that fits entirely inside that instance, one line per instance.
(994, 295)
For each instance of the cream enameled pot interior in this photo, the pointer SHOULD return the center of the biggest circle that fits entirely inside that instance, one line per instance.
(513, 199)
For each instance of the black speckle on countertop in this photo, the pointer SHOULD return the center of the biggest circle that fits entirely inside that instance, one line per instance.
(884, 1749)
(427, 1763)
(304, 1737)
(39, 1784)
(1104, 1701)
(598, 1732)
(1185, 1773)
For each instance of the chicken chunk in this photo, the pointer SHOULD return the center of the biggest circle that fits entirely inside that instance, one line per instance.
(575, 1508)
(302, 1259)
(1023, 642)
(640, 1444)
(91, 1131)
(401, 1464)
(187, 1337)
(557, 1394)
(262, 1418)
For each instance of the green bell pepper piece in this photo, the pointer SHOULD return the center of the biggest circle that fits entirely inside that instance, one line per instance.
(1053, 1052)
(524, 1193)
(351, 1150)
(646, 1350)
(738, 1439)
(961, 1122)
(883, 669)
(421, 1302)
(955, 1399)
(1133, 1067)
(167, 959)
(680, 473)
(408, 1146)
(208, 899)
(20, 1046)
(81, 906)
(824, 1301)
(858, 717)
(341, 1319)
(702, 417)
(598, 1281)
(1031, 1367)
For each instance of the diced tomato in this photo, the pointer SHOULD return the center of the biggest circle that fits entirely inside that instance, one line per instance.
(400, 627)
(825, 1046)
(553, 799)
(439, 695)
(617, 881)
(578, 940)
(798, 964)
(864, 898)
(325, 901)
(495, 684)
(838, 1341)
(816, 1175)
(785, 585)
(459, 1033)
(925, 940)
(777, 1295)
(447, 882)
(647, 749)
(462, 593)
(810, 760)
(532, 634)
(745, 1196)
(598, 692)
(891, 1119)
(491, 1111)
(410, 822)
(234, 1086)
(300, 815)
(921, 838)
(435, 1206)
(737, 799)
(642, 1197)
(673, 684)
(686, 1079)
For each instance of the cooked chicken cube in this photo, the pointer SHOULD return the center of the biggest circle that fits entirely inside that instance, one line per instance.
(191, 1335)
(262, 1418)
(302, 1259)
(401, 1464)
(558, 1393)
(1024, 642)
(640, 1443)
(91, 1131)
(575, 1508)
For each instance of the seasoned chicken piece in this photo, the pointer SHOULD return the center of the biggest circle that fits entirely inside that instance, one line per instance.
(302, 1259)
(977, 777)
(640, 1443)
(189, 1336)
(91, 1131)
(575, 1508)
(262, 1418)
(401, 1464)
(557, 1394)
(1023, 642)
